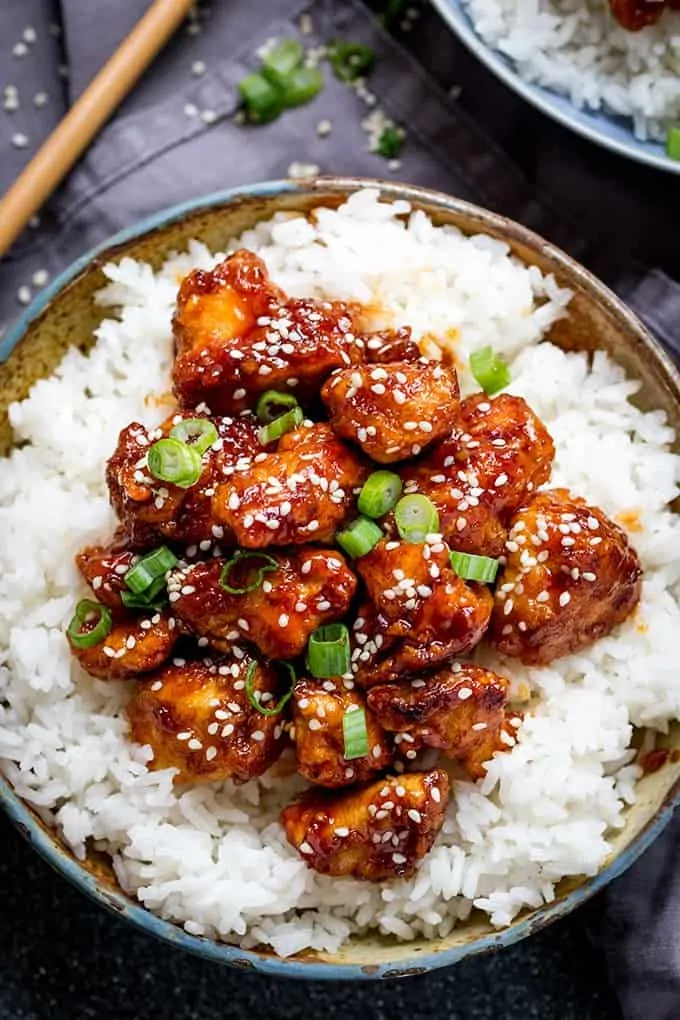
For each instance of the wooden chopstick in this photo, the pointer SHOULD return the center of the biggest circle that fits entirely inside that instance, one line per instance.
(80, 125)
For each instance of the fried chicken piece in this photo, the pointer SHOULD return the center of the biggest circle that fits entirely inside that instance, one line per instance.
(634, 15)
(304, 590)
(377, 832)
(495, 457)
(460, 710)
(388, 345)
(570, 578)
(302, 492)
(237, 335)
(104, 568)
(393, 411)
(197, 718)
(424, 613)
(135, 645)
(319, 707)
(149, 508)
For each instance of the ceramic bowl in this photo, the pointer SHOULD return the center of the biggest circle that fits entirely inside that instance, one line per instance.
(65, 314)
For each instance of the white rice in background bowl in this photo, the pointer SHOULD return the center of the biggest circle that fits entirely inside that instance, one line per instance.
(214, 857)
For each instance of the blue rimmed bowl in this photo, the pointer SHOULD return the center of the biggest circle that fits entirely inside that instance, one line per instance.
(65, 313)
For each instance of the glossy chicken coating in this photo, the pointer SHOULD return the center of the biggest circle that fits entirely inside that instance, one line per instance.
(570, 578)
(634, 15)
(388, 345)
(377, 832)
(460, 710)
(301, 492)
(307, 589)
(104, 568)
(424, 613)
(197, 718)
(237, 335)
(135, 645)
(497, 455)
(393, 411)
(318, 710)
(151, 509)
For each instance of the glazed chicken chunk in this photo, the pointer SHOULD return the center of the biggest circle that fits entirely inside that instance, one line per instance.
(319, 707)
(301, 492)
(104, 568)
(570, 578)
(393, 411)
(135, 645)
(388, 345)
(377, 832)
(422, 612)
(292, 594)
(494, 458)
(237, 335)
(460, 709)
(197, 718)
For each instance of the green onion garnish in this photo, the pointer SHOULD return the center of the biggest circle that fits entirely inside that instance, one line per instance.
(380, 492)
(254, 701)
(416, 517)
(154, 597)
(673, 142)
(490, 371)
(199, 433)
(359, 537)
(390, 142)
(267, 564)
(173, 461)
(91, 623)
(355, 733)
(474, 568)
(284, 423)
(149, 570)
(281, 60)
(350, 60)
(263, 101)
(272, 405)
(301, 85)
(328, 651)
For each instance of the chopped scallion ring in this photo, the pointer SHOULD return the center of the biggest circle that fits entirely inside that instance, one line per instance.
(301, 85)
(272, 404)
(474, 568)
(350, 60)
(355, 733)
(328, 651)
(149, 570)
(673, 142)
(281, 60)
(490, 371)
(267, 564)
(380, 492)
(155, 598)
(262, 100)
(391, 141)
(359, 537)
(284, 423)
(416, 517)
(173, 461)
(91, 623)
(254, 700)
(198, 433)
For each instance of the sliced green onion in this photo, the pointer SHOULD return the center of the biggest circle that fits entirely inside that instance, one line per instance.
(254, 701)
(328, 651)
(350, 60)
(151, 568)
(284, 423)
(272, 404)
(154, 597)
(267, 564)
(474, 568)
(490, 371)
(198, 433)
(390, 142)
(281, 60)
(263, 101)
(380, 492)
(301, 85)
(173, 461)
(416, 517)
(359, 537)
(355, 733)
(673, 142)
(91, 623)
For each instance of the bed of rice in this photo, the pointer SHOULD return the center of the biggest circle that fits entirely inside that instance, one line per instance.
(214, 858)
(578, 48)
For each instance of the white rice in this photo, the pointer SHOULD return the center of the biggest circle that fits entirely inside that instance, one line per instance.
(214, 858)
(577, 48)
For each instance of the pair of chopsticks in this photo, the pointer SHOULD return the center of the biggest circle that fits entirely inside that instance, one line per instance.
(75, 132)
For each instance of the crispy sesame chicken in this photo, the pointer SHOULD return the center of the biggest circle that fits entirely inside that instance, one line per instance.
(299, 591)
(319, 707)
(197, 718)
(387, 345)
(460, 709)
(393, 411)
(377, 832)
(104, 568)
(571, 576)
(135, 645)
(496, 456)
(634, 15)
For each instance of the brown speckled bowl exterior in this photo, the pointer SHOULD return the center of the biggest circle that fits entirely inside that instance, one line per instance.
(597, 320)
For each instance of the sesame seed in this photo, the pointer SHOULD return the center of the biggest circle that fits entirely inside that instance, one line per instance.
(211, 753)
(464, 693)
(257, 735)
(195, 745)
(314, 724)
(479, 726)
(283, 620)
(435, 794)
(414, 815)
(342, 831)
(305, 848)
(198, 68)
(565, 598)
(398, 858)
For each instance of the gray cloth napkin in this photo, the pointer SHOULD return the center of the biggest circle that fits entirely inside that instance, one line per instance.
(174, 138)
